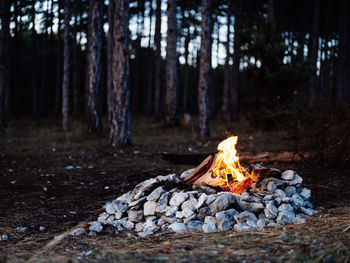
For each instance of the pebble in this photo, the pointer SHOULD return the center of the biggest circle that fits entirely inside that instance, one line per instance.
(95, 226)
(78, 232)
(305, 194)
(4, 237)
(21, 229)
(178, 198)
(156, 193)
(195, 226)
(225, 219)
(149, 208)
(288, 175)
(177, 227)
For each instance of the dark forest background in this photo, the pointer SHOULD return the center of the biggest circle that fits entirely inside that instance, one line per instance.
(271, 62)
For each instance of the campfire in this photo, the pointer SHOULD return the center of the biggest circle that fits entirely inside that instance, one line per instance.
(223, 169)
(220, 194)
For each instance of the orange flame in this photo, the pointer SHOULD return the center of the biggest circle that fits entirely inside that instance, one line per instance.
(233, 177)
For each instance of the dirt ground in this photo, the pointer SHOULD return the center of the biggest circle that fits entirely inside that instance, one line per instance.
(57, 181)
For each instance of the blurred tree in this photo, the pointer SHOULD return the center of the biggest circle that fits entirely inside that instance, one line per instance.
(227, 83)
(120, 117)
(158, 63)
(111, 11)
(205, 66)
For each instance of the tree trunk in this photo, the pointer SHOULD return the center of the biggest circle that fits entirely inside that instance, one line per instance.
(43, 103)
(34, 63)
(66, 67)
(158, 63)
(203, 87)
(111, 11)
(59, 66)
(314, 52)
(171, 117)
(343, 79)
(4, 61)
(227, 81)
(270, 9)
(94, 65)
(186, 69)
(236, 59)
(76, 68)
(120, 117)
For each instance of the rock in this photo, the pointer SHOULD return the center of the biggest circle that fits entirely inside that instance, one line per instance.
(110, 208)
(203, 212)
(269, 197)
(118, 224)
(284, 207)
(92, 234)
(127, 224)
(21, 229)
(209, 228)
(221, 203)
(286, 214)
(271, 187)
(42, 228)
(190, 203)
(190, 218)
(210, 220)
(141, 189)
(156, 193)
(165, 220)
(135, 215)
(78, 232)
(138, 203)
(179, 214)
(280, 193)
(204, 189)
(126, 198)
(95, 226)
(225, 219)
(195, 226)
(145, 233)
(243, 227)
(250, 197)
(251, 207)
(264, 183)
(305, 194)
(149, 208)
(4, 237)
(171, 211)
(164, 199)
(178, 198)
(296, 181)
(168, 178)
(260, 224)
(187, 212)
(120, 208)
(297, 200)
(271, 210)
(246, 216)
(161, 209)
(290, 190)
(150, 225)
(308, 204)
(299, 219)
(103, 218)
(210, 199)
(307, 211)
(138, 227)
(201, 201)
(177, 227)
(288, 175)
(286, 200)
(186, 173)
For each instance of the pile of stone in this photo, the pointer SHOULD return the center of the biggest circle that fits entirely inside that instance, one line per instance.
(165, 203)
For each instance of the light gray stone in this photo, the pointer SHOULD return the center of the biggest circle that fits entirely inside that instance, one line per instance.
(297, 200)
(195, 226)
(170, 178)
(138, 203)
(155, 194)
(4, 237)
(177, 227)
(308, 204)
(135, 215)
(145, 233)
(251, 207)
(271, 187)
(103, 218)
(271, 210)
(284, 207)
(95, 226)
(126, 198)
(286, 214)
(190, 203)
(210, 199)
(296, 181)
(307, 211)
(221, 203)
(280, 193)
(164, 199)
(186, 173)
(242, 227)
(150, 225)
(149, 208)
(299, 219)
(209, 228)
(127, 224)
(187, 212)
(178, 198)
(110, 208)
(225, 219)
(201, 201)
(290, 190)
(179, 214)
(210, 220)
(78, 232)
(288, 175)
(286, 200)
(161, 209)
(190, 218)
(260, 224)
(171, 211)
(305, 194)
(120, 208)
(204, 189)
(138, 227)
(141, 188)
(165, 220)
(21, 229)
(245, 216)
(250, 197)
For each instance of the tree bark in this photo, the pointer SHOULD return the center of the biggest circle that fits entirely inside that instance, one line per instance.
(76, 68)
(171, 118)
(94, 65)
(227, 81)
(34, 63)
(186, 69)
(343, 79)
(111, 11)
(120, 117)
(43, 102)
(66, 67)
(59, 66)
(314, 52)
(236, 59)
(158, 63)
(203, 87)
(4, 61)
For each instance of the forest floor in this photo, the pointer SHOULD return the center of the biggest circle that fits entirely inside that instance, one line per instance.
(57, 180)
